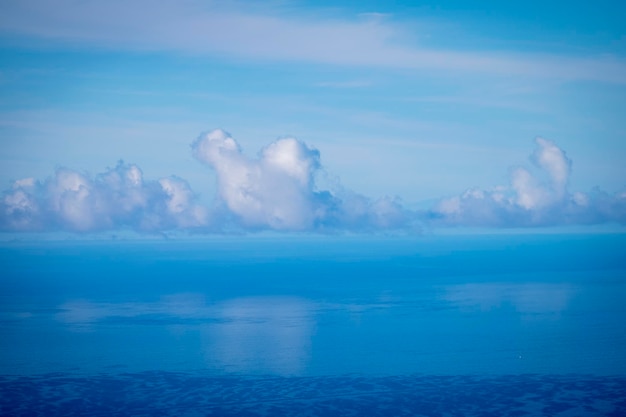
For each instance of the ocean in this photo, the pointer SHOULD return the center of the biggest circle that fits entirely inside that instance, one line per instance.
(515, 324)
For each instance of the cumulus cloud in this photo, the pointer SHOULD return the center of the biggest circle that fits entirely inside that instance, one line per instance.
(540, 199)
(117, 198)
(277, 190)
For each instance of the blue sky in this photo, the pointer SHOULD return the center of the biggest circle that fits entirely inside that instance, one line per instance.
(398, 110)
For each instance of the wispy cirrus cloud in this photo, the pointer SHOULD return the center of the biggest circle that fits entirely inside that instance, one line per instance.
(270, 34)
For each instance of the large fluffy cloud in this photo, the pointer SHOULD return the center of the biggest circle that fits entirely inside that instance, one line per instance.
(116, 198)
(540, 199)
(277, 190)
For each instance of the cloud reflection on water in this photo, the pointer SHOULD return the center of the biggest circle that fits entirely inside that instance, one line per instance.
(526, 298)
(262, 334)
(269, 334)
(84, 314)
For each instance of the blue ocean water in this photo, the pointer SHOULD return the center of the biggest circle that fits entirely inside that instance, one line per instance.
(463, 325)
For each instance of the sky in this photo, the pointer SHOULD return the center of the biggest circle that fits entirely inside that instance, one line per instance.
(231, 116)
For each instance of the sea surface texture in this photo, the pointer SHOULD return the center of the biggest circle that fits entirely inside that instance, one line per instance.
(491, 325)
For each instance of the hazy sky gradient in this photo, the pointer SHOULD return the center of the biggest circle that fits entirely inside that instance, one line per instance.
(421, 102)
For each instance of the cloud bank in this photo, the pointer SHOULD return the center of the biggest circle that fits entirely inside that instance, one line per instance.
(278, 191)
(540, 199)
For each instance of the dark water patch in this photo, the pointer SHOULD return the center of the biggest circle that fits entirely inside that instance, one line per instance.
(194, 394)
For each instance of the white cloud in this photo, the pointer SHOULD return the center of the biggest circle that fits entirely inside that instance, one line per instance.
(271, 192)
(530, 194)
(277, 190)
(24, 182)
(540, 199)
(71, 197)
(117, 198)
(553, 160)
(180, 203)
(20, 210)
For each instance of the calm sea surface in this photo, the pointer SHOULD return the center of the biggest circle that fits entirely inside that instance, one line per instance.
(482, 325)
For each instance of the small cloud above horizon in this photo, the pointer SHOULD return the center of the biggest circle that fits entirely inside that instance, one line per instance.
(532, 199)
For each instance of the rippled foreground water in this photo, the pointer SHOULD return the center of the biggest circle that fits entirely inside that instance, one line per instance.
(488, 325)
(185, 394)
